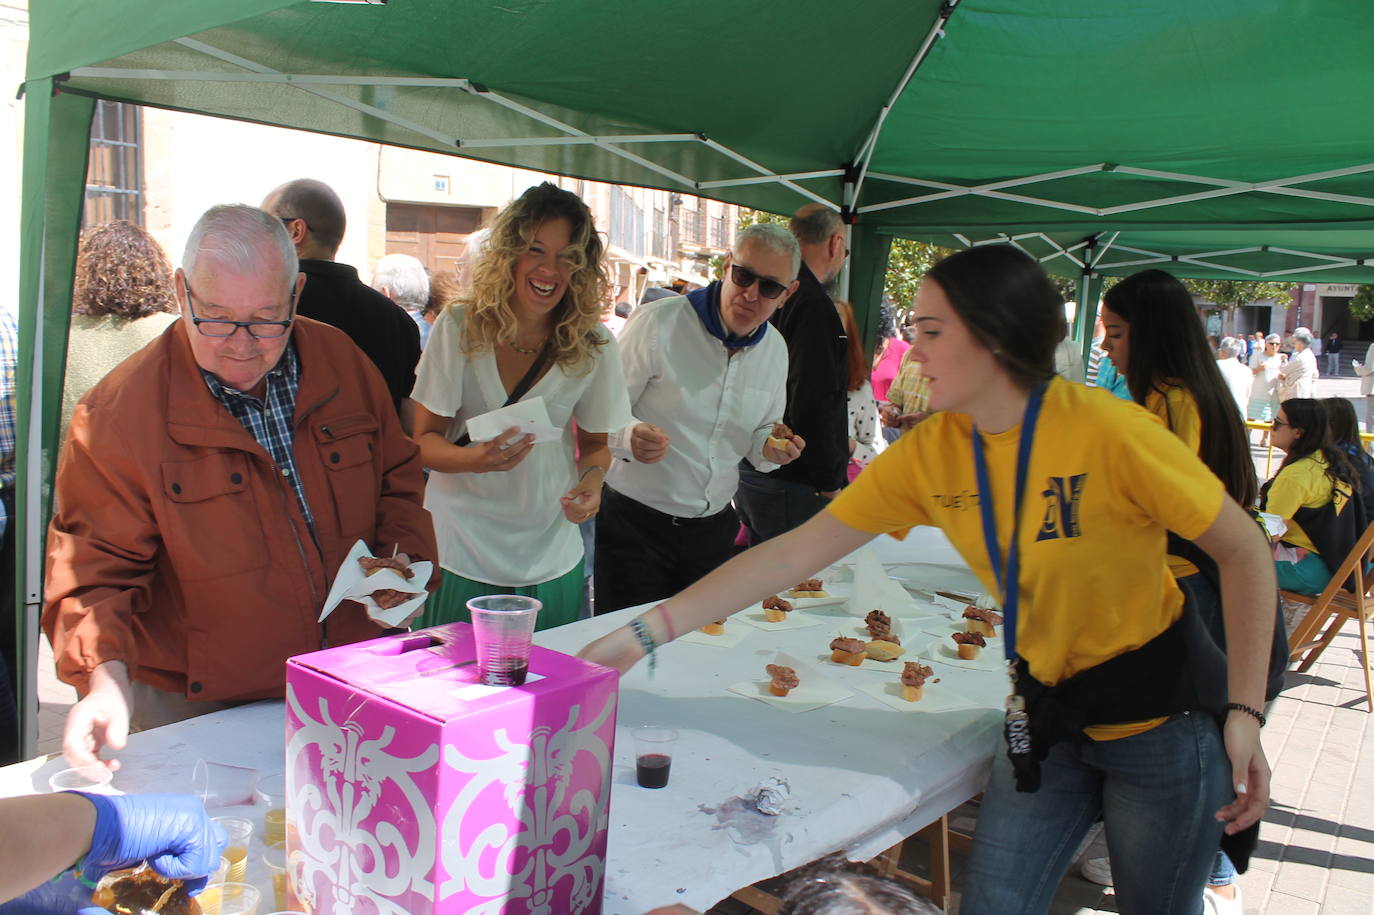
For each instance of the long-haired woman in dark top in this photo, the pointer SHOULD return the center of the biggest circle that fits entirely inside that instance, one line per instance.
(1155, 339)
(1345, 433)
(1313, 492)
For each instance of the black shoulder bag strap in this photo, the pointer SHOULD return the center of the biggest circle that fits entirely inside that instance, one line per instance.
(522, 387)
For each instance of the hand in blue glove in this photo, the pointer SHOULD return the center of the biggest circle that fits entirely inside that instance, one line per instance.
(170, 831)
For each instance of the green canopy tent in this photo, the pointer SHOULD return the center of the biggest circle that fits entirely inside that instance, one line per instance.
(1219, 139)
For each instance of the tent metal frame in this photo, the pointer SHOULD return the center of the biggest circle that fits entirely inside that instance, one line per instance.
(321, 85)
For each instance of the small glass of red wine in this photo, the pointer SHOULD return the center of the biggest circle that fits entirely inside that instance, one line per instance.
(653, 755)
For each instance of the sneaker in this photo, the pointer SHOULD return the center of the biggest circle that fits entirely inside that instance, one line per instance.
(1098, 870)
(1215, 904)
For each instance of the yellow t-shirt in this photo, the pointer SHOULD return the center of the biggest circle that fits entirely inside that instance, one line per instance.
(1303, 484)
(1106, 480)
(1178, 408)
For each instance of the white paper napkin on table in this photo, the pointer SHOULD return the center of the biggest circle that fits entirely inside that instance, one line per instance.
(756, 616)
(814, 690)
(530, 415)
(353, 583)
(875, 590)
(945, 651)
(935, 698)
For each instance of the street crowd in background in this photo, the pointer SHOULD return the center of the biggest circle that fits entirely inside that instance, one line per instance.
(233, 425)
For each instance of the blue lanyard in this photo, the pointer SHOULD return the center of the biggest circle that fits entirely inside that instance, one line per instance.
(1007, 575)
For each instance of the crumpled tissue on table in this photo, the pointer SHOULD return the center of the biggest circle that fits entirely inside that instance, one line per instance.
(874, 589)
(353, 583)
(530, 415)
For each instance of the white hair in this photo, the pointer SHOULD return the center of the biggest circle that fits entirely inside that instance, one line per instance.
(405, 280)
(242, 238)
(772, 238)
(1302, 336)
(1273, 338)
(1229, 347)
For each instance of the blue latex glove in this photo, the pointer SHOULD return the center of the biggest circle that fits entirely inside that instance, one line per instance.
(171, 832)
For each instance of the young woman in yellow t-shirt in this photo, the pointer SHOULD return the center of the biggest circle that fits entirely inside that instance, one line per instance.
(1314, 483)
(1155, 339)
(1100, 481)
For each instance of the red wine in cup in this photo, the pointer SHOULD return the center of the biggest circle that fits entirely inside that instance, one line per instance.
(651, 770)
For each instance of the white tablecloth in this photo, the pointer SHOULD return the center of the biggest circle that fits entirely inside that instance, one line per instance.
(861, 775)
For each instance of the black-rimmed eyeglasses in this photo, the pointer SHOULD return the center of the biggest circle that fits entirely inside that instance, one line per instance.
(263, 330)
(743, 277)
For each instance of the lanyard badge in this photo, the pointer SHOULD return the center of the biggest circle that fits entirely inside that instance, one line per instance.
(1016, 723)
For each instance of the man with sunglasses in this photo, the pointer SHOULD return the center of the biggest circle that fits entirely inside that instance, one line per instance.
(773, 501)
(209, 490)
(707, 377)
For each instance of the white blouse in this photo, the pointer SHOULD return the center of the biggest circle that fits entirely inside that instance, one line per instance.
(863, 426)
(507, 528)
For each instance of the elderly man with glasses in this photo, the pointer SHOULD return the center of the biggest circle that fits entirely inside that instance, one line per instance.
(208, 491)
(707, 377)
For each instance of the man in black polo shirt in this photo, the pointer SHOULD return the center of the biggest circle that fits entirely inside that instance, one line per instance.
(817, 405)
(314, 218)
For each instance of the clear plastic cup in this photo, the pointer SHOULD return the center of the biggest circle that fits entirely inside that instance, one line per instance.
(274, 860)
(503, 626)
(653, 755)
(92, 779)
(223, 785)
(230, 899)
(221, 873)
(240, 833)
(272, 794)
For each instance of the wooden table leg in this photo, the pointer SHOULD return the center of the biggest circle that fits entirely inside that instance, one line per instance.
(937, 834)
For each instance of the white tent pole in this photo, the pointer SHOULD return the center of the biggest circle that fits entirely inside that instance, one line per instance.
(1102, 252)
(865, 155)
(344, 100)
(1338, 261)
(746, 161)
(589, 140)
(765, 179)
(511, 104)
(1315, 269)
(34, 528)
(269, 76)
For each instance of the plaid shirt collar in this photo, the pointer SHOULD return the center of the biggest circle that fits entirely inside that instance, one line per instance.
(270, 419)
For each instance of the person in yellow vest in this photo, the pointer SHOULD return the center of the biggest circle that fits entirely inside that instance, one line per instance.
(1110, 714)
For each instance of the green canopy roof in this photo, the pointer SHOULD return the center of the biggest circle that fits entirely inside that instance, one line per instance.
(1149, 118)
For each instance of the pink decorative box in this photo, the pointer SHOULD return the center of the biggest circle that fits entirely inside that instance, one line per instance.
(412, 788)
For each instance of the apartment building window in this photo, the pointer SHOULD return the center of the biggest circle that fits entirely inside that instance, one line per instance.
(720, 231)
(660, 233)
(114, 174)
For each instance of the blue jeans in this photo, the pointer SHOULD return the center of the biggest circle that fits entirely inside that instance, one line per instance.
(769, 506)
(1155, 791)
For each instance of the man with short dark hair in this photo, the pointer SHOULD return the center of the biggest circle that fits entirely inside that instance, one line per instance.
(817, 403)
(314, 218)
(210, 488)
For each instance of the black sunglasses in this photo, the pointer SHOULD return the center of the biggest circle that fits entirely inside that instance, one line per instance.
(743, 277)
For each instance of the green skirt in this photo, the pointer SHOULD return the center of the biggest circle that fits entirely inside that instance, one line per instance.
(561, 597)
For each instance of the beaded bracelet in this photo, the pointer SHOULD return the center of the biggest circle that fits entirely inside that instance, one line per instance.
(646, 641)
(1252, 712)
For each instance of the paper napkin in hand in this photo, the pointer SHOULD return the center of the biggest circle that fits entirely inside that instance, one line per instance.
(353, 583)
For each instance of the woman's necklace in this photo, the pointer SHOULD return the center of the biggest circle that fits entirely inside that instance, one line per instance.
(528, 352)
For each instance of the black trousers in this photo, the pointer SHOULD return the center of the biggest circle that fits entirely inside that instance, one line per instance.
(643, 554)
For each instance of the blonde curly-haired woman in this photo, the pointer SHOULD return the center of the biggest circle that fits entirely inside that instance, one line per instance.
(506, 511)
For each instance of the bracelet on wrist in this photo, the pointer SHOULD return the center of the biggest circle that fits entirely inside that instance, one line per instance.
(646, 641)
(1248, 710)
(667, 621)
